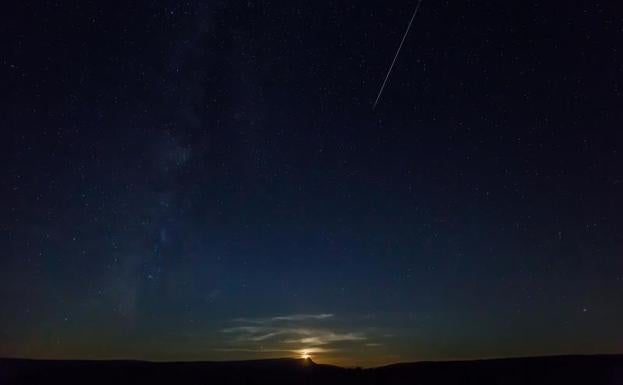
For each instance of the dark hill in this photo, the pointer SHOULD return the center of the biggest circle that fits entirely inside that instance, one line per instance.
(567, 370)
(563, 370)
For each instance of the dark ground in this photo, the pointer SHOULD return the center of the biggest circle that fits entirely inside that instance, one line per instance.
(593, 370)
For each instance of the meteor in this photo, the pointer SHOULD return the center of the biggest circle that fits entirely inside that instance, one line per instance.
(396, 55)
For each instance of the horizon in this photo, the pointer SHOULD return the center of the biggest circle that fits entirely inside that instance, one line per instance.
(343, 362)
(361, 183)
(310, 359)
(598, 369)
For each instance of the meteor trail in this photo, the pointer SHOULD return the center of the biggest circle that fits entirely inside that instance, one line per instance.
(396, 56)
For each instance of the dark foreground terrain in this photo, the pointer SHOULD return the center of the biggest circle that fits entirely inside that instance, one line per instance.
(563, 370)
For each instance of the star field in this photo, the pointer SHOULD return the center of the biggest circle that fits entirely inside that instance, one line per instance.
(207, 180)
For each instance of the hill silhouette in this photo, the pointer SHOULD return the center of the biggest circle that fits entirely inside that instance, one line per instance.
(594, 370)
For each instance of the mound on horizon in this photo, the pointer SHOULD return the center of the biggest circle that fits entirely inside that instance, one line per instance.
(567, 370)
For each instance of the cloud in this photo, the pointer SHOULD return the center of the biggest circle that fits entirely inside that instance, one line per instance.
(269, 350)
(286, 318)
(298, 335)
(321, 337)
(302, 317)
(312, 333)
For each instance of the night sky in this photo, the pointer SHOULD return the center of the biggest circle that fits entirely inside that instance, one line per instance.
(208, 180)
